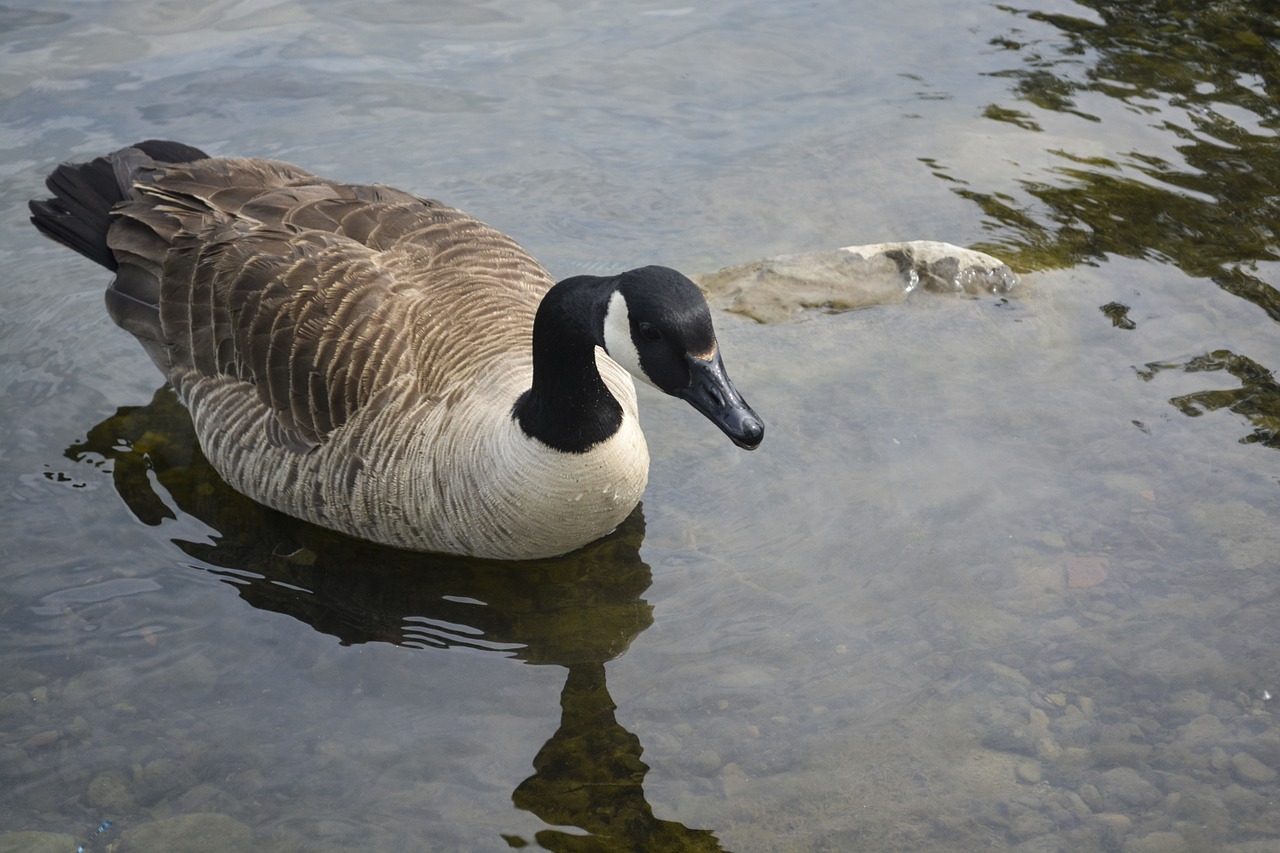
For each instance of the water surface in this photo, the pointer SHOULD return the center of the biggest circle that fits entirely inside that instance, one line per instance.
(1003, 575)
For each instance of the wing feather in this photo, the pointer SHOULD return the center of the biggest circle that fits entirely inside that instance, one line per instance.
(313, 292)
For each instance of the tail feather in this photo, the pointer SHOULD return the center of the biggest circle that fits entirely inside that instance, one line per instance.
(84, 194)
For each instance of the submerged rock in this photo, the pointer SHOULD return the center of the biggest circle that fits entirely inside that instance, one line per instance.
(1157, 842)
(1124, 788)
(36, 842)
(1250, 770)
(191, 833)
(780, 288)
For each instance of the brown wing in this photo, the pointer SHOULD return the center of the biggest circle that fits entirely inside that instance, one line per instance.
(315, 293)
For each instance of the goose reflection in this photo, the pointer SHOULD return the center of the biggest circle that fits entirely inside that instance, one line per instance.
(577, 612)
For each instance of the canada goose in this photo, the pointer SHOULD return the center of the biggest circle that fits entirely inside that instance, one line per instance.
(383, 364)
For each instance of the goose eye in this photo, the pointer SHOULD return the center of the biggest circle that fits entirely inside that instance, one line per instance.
(649, 332)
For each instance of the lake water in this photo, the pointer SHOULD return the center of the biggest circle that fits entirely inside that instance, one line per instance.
(1005, 573)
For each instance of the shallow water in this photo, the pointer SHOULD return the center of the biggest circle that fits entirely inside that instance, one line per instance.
(1003, 575)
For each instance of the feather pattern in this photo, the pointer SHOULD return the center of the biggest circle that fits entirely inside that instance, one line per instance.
(352, 354)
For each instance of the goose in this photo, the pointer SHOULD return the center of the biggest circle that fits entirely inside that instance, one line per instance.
(385, 365)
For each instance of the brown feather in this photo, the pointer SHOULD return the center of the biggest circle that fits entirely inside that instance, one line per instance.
(351, 354)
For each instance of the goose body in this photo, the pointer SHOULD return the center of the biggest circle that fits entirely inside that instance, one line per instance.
(383, 364)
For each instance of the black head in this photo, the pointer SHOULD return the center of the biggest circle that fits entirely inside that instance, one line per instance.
(658, 327)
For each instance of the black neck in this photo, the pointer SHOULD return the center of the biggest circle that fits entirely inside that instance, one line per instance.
(569, 407)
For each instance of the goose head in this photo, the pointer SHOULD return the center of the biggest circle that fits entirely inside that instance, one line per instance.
(658, 326)
(651, 321)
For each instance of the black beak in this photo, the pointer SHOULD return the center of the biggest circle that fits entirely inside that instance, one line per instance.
(712, 393)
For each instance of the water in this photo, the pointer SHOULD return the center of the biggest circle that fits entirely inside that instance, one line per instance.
(1002, 575)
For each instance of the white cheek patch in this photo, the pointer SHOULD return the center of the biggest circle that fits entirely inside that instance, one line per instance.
(617, 337)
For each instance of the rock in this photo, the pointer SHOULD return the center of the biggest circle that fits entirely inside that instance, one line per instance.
(1157, 842)
(192, 833)
(1203, 808)
(79, 728)
(734, 780)
(1124, 788)
(1240, 800)
(782, 287)
(1048, 749)
(1008, 736)
(196, 675)
(1114, 820)
(1266, 746)
(1113, 827)
(1029, 824)
(1120, 753)
(16, 764)
(704, 762)
(206, 798)
(1190, 704)
(161, 779)
(1075, 805)
(1091, 797)
(1204, 729)
(40, 739)
(15, 704)
(36, 842)
(109, 792)
(1007, 673)
(1028, 771)
(1250, 770)
(1073, 728)
(1085, 572)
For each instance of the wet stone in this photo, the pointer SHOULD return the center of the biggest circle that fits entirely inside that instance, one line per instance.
(1204, 729)
(15, 704)
(1266, 747)
(163, 778)
(16, 764)
(734, 780)
(1245, 802)
(36, 842)
(1157, 842)
(1073, 728)
(192, 833)
(1049, 749)
(704, 762)
(109, 792)
(1190, 704)
(1250, 770)
(206, 798)
(79, 728)
(1113, 827)
(1030, 824)
(1075, 805)
(1122, 753)
(1203, 809)
(39, 739)
(1008, 736)
(1124, 788)
(1091, 797)
(782, 287)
